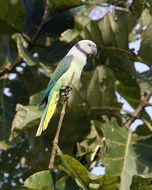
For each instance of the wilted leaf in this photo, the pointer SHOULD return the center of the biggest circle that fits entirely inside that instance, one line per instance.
(40, 181)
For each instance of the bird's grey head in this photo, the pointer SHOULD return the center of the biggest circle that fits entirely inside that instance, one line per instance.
(87, 47)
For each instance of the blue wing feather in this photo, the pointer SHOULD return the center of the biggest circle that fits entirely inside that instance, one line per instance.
(62, 67)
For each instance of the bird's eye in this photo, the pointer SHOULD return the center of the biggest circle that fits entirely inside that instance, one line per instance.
(90, 45)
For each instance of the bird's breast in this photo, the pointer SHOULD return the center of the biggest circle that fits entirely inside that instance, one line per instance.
(71, 76)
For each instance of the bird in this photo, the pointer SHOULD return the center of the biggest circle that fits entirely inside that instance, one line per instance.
(69, 68)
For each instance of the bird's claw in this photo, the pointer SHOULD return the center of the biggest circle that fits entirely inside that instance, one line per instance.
(64, 91)
(66, 88)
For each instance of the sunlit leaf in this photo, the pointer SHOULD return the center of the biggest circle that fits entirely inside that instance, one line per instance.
(23, 52)
(25, 117)
(40, 181)
(69, 35)
(4, 145)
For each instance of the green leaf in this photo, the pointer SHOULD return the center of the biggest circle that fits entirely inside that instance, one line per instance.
(12, 13)
(111, 35)
(36, 98)
(91, 144)
(128, 153)
(110, 31)
(26, 55)
(66, 4)
(4, 145)
(66, 183)
(76, 170)
(84, 178)
(145, 48)
(102, 82)
(128, 86)
(142, 183)
(6, 112)
(6, 56)
(69, 35)
(40, 181)
(22, 50)
(145, 81)
(26, 117)
(6, 28)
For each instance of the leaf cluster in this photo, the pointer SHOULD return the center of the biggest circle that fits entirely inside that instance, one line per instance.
(34, 36)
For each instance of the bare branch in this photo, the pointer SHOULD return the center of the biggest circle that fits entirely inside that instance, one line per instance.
(8, 69)
(45, 19)
(56, 139)
(136, 114)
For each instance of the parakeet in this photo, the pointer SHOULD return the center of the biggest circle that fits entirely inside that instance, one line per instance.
(69, 67)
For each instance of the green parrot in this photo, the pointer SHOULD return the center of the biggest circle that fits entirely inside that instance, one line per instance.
(69, 68)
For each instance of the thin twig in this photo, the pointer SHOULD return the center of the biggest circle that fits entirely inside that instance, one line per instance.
(45, 19)
(56, 138)
(10, 67)
(136, 114)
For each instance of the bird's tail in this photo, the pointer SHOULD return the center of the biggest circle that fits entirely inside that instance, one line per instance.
(48, 112)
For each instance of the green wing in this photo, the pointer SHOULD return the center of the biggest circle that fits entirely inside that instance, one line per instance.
(62, 67)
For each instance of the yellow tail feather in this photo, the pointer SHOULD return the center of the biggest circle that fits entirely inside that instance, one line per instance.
(48, 113)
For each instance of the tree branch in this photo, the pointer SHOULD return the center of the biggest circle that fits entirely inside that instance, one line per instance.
(45, 19)
(56, 138)
(8, 69)
(136, 114)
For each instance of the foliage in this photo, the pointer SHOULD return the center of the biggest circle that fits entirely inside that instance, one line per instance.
(34, 36)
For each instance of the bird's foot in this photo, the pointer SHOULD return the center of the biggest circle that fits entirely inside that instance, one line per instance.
(64, 91)
(66, 88)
